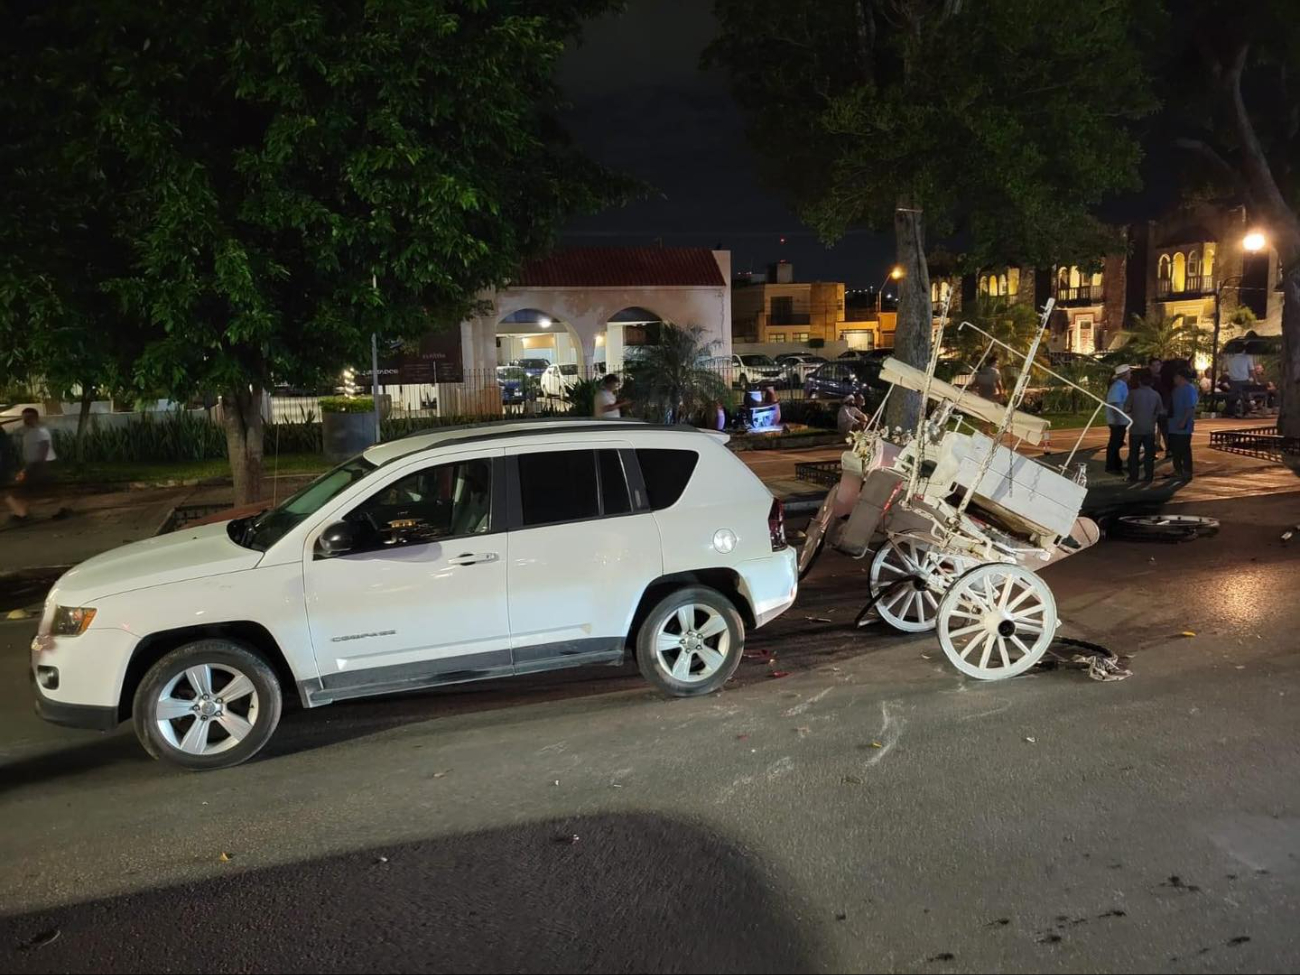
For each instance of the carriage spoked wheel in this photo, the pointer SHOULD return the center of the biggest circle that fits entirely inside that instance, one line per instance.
(913, 576)
(996, 621)
(815, 535)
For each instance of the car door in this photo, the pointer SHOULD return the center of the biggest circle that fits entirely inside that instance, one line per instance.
(583, 547)
(419, 597)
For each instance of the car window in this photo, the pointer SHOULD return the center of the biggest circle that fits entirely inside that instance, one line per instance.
(558, 485)
(444, 501)
(666, 474)
(571, 370)
(614, 496)
(757, 360)
(269, 527)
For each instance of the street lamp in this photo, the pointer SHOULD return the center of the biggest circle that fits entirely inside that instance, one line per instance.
(894, 274)
(1252, 243)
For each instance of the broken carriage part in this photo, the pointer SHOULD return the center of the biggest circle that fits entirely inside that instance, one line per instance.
(929, 572)
(1164, 528)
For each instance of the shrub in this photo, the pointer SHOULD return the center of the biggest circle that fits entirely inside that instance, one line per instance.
(347, 404)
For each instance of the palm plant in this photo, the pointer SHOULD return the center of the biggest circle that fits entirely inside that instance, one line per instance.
(672, 379)
(1159, 336)
(1007, 321)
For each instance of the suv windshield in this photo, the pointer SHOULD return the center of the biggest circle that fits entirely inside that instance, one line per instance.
(270, 526)
(757, 360)
(568, 370)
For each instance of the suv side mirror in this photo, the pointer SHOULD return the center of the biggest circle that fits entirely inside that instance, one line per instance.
(338, 539)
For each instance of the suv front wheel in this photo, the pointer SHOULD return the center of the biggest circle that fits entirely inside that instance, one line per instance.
(691, 642)
(207, 705)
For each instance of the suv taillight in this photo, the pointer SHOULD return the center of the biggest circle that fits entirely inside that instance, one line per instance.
(776, 524)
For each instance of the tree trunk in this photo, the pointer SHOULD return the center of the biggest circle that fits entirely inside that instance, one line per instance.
(1288, 420)
(83, 419)
(915, 319)
(241, 413)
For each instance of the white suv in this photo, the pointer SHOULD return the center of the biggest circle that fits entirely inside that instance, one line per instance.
(459, 555)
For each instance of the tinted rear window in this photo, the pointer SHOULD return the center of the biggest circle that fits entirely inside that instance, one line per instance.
(558, 486)
(666, 473)
(613, 483)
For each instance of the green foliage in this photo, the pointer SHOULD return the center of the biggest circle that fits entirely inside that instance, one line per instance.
(671, 380)
(176, 436)
(231, 191)
(1008, 119)
(1092, 374)
(582, 396)
(1240, 321)
(1010, 322)
(347, 404)
(1160, 336)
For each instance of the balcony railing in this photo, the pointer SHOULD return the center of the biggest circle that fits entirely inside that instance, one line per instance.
(1085, 294)
(788, 318)
(1193, 284)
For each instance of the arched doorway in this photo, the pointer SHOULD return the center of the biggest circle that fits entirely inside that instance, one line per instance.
(538, 356)
(625, 332)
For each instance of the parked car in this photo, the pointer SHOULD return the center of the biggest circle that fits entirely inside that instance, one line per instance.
(512, 381)
(558, 379)
(533, 368)
(462, 554)
(798, 366)
(835, 380)
(755, 368)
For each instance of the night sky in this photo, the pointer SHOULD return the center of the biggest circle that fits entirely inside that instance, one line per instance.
(641, 105)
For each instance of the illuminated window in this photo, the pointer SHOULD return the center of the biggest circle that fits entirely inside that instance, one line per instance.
(1162, 270)
(1207, 262)
(1075, 278)
(1193, 263)
(945, 289)
(984, 284)
(1013, 281)
(1002, 284)
(1180, 271)
(934, 291)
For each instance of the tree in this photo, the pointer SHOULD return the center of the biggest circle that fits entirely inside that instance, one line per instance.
(1160, 337)
(1011, 322)
(671, 379)
(288, 177)
(1006, 120)
(1233, 74)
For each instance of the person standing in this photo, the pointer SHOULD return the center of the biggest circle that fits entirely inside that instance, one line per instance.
(1116, 397)
(850, 419)
(1145, 408)
(1241, 372)
(607, 404)
(38, 454)
(1181, 423)
(988, 380)
(1162, 381)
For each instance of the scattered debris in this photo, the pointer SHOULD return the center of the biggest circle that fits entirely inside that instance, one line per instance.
(439, 775)
(381, 859)
(1001, 922)
(779, 673)
(842, 916)
(557, 781)
(1050, 939)
(1240, 939)
(819, 619)
(742, 737)
(1114, 912)
(875, 744)
(48, 937)
(1188, 633)
(851, 780)
(568, 838)
(1032, 741)
(942, 956)
(1176, 882)
(615, 785)
(224, 858)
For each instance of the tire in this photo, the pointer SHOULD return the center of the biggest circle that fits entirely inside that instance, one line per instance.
(234, 732)
(717, 631)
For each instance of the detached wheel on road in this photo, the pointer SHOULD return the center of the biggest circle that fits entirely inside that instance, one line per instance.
(997, 621)
(691, 642)
(207, 705)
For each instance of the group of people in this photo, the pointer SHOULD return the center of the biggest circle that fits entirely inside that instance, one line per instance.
(1161, 405)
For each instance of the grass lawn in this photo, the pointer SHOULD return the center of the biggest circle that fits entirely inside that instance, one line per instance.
(1070, 421)
(120, 472)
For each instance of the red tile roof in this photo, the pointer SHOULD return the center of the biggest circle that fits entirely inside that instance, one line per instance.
(623, 267)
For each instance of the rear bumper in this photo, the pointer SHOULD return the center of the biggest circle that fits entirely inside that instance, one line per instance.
(88, 716)
(771, 584)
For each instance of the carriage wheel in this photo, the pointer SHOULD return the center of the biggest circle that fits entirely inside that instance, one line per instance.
(815, 536)
(996, 621)
(914, 607)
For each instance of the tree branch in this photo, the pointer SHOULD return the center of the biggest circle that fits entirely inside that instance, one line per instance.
(1212, 156)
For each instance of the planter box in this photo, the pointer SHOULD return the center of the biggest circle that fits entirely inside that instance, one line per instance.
(347, 434)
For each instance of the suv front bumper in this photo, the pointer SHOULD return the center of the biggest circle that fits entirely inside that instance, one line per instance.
(77, 680)
(91, 716)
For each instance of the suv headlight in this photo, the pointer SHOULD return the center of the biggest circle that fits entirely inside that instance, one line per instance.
(71, 620)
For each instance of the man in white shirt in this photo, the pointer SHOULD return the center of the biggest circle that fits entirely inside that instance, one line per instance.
(608, 405)
(850, 417)
(38, 454)
(1241, 372)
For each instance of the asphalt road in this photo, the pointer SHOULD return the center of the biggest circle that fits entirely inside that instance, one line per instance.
(869, 811)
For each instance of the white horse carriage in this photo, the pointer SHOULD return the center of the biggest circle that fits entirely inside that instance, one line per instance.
(959, 521)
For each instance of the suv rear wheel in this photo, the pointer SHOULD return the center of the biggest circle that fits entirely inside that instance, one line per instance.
(691, 642)
(207, 705)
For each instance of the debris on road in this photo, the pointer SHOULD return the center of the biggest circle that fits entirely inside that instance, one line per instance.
(851, 780)
(819, 619)
(1031, 741)
(46, 938)
(568, 839)
(779, 673)
(224, 858)
(876, 744)
(439, 775)
(381, 859)
(942, 956)
(1188, 633)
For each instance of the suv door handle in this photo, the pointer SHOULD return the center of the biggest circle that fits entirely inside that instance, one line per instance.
(470, 558)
